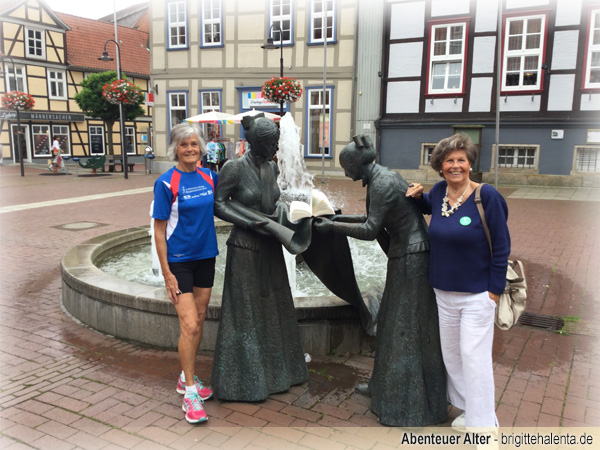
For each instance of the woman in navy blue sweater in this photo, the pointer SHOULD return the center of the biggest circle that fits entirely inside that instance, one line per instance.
(466, 278)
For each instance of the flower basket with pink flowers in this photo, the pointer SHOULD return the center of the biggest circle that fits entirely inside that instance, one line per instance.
(18, 100)
(122, 91)
(282, 89)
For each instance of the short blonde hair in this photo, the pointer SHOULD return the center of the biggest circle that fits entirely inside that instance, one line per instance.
(183, 131)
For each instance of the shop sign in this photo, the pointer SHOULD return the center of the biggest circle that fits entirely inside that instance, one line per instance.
(49, 116)
(255, 99)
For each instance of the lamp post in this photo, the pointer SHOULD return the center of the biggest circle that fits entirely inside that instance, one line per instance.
(105, 57)
(271, 46)
(19, 149)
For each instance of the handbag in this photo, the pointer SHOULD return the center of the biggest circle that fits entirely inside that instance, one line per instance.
(511, 303)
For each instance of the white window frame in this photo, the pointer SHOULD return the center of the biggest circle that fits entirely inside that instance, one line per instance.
(447, 60)
(207, 106)
(39, 43)
(282, 14)
(592, 158)
(516, 157)
(592, 48)
(316, 109)
(15, 75)
(209, 20)
(426, 150)
(96, 130)
(178, 105)
(42, 131)
(62, 130)
(173, 21)
(315, 16)
(523, 53)
(130, 134)
(53, 80)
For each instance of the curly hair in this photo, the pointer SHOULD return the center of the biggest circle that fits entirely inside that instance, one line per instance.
(183, 131)
(447, 145)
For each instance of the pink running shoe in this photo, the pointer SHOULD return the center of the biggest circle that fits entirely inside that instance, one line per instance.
(205, 393)
(194, 411)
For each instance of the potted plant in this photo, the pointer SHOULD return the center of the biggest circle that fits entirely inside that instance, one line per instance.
(282, 89)
(18, 100)
(122, 91)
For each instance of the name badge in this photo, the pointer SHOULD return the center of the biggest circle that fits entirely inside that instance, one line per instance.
(465, 221)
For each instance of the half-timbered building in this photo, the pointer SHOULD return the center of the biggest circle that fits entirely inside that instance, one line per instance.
(530, 66)
(47, 54)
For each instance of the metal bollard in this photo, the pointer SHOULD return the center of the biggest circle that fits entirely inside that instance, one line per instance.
(76, 161)
(149, 159)
(66, 158)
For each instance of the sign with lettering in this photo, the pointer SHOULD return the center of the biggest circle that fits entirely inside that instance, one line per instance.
(255, 99)
(45, 116)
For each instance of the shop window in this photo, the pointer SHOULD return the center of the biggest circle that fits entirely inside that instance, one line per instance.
(177, 108)
(322, 21)
(317, 129)
(212, 23)
(61, 132)
(177, 25)
(587, 158)
(210, 101)
(523, 53)
(96, 135)
(281, 15)
(447, 50)
(41, 140)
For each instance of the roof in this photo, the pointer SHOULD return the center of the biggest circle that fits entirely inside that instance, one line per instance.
(86, 40)
(8, 6)
(128, 16)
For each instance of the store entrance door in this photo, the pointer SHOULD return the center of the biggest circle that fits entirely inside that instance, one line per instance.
(25, 150)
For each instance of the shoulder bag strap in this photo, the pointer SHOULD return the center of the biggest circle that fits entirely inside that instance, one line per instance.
(480, 209)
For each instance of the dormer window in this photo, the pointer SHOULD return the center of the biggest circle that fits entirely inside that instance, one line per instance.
(35, 43)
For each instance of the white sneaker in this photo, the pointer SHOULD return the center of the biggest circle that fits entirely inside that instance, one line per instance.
(459, 423)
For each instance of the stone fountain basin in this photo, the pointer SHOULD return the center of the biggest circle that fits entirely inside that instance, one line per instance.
(144, 314)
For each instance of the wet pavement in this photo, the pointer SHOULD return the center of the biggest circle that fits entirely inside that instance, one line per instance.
(63, 385)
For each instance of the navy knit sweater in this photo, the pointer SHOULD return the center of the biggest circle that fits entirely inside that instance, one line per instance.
(460, 253)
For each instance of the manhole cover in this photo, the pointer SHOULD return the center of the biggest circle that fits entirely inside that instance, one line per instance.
(75, 226)
(542, 321)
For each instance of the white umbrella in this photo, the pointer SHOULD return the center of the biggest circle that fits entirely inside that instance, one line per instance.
(253, 112)
(214, 117)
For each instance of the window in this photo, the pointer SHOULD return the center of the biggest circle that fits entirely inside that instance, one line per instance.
(426, 151)
(587, 159)
(315, 121)
(177, 108)
(592, 57)
(281, 14)
(96, 134)
(523, 53)
(212, 35)
(41, 140)
(447, 58)
(177, 24)
(35, 43)
(322, 21)
(518, 156)
(57, 86)
(15, 77)
(130, 141)
(210, 101)
(61, 132)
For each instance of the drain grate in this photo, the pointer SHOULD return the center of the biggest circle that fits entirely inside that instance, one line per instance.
(548, 323)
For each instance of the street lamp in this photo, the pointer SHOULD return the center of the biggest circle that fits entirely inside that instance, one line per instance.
(7, 88)
(271, 46)
(105, 57)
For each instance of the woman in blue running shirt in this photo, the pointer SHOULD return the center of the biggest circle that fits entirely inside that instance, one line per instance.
(466, 277)
(186, 243)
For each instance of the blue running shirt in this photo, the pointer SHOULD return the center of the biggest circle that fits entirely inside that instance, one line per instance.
(191, 234)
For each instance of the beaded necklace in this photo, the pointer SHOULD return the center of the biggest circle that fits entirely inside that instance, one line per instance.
(448, 212)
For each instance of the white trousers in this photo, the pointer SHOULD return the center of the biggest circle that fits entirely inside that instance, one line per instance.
(466, 335)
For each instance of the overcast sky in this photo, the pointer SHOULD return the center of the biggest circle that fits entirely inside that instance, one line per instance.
(92, 9)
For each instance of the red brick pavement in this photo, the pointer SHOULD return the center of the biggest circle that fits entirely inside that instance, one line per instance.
(65, 386)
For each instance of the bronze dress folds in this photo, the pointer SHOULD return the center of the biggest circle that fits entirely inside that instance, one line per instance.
(258, 350)
(408, 384)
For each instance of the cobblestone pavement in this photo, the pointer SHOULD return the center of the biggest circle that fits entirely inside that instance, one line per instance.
(64, 386)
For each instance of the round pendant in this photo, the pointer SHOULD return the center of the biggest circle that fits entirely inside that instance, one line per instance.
(465, 221)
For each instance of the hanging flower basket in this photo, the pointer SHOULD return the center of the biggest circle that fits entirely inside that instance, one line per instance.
(122, 91)
(282, 89)
(17, 100)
